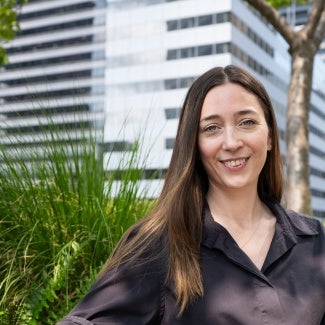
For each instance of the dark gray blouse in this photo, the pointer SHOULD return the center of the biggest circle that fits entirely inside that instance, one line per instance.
(289, 290)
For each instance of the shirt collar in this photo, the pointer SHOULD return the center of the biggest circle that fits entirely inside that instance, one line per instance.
(288, 227)
(217, 237)
(292, 223)
(287, 220)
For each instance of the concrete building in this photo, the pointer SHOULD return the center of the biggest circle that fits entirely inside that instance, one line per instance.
(56, 69)
(123, 67)
(155, 49)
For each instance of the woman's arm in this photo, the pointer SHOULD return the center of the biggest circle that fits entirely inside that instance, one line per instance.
(131, 294)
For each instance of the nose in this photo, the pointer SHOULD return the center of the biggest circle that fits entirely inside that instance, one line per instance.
(231, 140)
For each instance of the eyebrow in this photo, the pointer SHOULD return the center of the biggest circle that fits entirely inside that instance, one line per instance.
(239, 113)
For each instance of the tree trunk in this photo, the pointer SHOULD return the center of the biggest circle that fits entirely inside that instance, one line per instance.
(297, 192)
(303, 47)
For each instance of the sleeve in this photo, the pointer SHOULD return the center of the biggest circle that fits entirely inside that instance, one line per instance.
(128, 295)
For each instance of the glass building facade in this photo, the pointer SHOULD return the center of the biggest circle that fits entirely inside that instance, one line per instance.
(155, 49)
(123, 67)
(55, 74)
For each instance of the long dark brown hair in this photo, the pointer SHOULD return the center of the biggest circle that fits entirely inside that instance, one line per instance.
(177, 216)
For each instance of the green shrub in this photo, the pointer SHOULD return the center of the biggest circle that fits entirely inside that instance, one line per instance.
(59, 223)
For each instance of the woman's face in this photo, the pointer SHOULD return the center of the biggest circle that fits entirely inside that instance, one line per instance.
(233, 138)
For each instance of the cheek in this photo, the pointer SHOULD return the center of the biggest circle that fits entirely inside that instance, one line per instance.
(206, 149)
(262, 140)
(262, 148)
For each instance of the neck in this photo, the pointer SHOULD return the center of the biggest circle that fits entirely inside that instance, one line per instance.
(236, 205)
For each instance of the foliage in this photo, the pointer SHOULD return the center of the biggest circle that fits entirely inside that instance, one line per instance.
(285, 3)
(9, 25)
(60, 218)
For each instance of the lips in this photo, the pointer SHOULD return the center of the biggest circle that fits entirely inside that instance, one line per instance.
(235, 162)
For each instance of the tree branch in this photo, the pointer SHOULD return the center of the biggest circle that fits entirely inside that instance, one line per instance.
(316, 11)
(275, 19)
(320, 31)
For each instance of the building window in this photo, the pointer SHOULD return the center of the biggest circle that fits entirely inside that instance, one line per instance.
(190, 52)
(172, 25)
(219, 18)
(172, 55)
(319, 214)
(185, 82)
(178, 83)
(171, 84)
(251, 34)
(320, 93)
(187, 23)
(172, 113)
(318, 193)
(223, 17)
(205, 20)
(118, 146)
(205, 50)
(316, 131)
(149, 174)
(318, 112)
(223, 48)
(187, 52)
(169, 143)
(317, 172)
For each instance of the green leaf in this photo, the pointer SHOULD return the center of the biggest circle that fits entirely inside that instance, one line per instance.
(284, 3)
(8, 24)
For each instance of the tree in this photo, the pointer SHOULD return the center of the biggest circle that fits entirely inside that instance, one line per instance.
(8, 23)
(303, 45)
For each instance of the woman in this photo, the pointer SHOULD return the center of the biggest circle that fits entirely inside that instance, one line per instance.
(218, 247)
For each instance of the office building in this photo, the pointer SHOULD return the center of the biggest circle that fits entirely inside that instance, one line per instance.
(156, 48)
(124, 66)
(55, 74)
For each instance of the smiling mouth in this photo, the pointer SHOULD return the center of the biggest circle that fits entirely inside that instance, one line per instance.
(235, 162)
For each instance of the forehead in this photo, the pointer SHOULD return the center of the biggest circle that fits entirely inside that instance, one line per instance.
(228, 99)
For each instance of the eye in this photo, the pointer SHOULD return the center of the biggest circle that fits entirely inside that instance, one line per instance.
(248, 122)
(211, 128)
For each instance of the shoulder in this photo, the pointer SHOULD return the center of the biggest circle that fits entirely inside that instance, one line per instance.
(132, 292)
(304, 224)
(139, 256)
(297, 223)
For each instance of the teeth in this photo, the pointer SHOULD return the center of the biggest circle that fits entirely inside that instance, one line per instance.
(235, 163)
